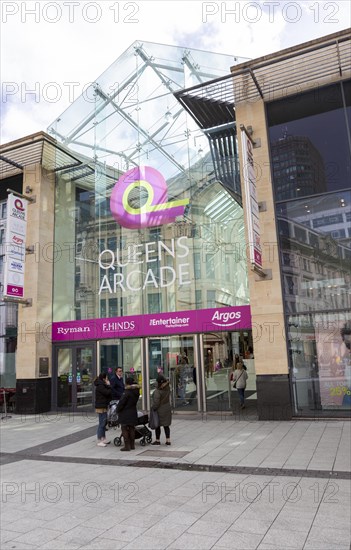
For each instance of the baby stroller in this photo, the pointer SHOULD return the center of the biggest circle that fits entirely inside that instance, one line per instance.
(112, 415)
(142, 432)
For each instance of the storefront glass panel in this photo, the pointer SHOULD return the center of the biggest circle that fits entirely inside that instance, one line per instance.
(319, 346)
(76, 370)
(221, 351)
(311, 163)
(123, 353)
(174, 358)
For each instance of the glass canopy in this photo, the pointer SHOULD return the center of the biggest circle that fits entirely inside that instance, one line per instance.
(129, 115)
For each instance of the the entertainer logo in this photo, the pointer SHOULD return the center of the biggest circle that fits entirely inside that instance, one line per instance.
(226, 319)
(139, 199)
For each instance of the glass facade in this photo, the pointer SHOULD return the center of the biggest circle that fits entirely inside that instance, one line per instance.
(111, 268)
(310, 155)
(143, 226)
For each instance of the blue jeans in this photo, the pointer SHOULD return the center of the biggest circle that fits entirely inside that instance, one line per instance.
(102, 425)
(241, 392)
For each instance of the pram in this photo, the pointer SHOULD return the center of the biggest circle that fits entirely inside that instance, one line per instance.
(112, 415)
(142, 432)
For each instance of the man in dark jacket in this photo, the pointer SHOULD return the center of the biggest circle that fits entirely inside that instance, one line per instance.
(127, 413)
(117, 384)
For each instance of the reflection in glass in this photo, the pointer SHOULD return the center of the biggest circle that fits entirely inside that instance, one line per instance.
(316, 252)
(174, 358)
(319, 347)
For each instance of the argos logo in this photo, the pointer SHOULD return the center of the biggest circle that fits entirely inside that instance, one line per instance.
(226, 319)
(139, 199)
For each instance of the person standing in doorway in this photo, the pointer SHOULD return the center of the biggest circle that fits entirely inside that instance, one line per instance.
(117, 384)
(127, 413)
(103, 394)
(209, 363)
(161, 404)
(239, 378)
(181, 377)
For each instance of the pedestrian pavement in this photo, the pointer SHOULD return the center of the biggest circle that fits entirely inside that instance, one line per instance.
(224, 483)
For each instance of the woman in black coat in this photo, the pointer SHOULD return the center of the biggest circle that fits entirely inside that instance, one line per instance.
(103, 395)
(127, 413)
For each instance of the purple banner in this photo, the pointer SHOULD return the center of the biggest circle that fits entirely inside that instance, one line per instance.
(159, 324)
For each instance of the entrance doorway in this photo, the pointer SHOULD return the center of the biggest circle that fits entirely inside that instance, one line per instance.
(126, 354)
(75, 366)
(220, 352)
(174, 357)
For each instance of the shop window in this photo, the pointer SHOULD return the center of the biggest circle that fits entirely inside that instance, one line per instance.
(210, 266)
(197, 265)
(211, 298)
(103, 311)
(3, 210)
(154, 303)
(198, 299)
(112, 243)
(112, 307)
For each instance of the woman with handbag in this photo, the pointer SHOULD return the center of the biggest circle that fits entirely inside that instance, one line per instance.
(239, 378)
(161, 404)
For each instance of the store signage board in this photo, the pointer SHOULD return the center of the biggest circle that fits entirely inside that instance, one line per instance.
(181, 322)
(15, 243)
(252, 212)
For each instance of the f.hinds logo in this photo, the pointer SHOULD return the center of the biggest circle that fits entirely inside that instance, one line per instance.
(139, 199)
(226, 319)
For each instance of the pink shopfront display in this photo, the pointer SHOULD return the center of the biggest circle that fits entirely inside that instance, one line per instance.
(203, 320)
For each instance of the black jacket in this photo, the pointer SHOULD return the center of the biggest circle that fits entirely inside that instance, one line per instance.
(103, 394)
(117, 385)
(127, 406)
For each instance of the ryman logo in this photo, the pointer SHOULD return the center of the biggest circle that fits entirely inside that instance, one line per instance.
(70, 330)
(226, 319)
(139, 199)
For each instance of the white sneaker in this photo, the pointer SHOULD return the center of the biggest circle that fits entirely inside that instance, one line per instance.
(101, 444)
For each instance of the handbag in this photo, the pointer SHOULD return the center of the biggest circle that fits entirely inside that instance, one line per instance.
(154, 420)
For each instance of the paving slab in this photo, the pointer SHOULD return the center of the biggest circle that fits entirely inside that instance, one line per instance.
(223, 484)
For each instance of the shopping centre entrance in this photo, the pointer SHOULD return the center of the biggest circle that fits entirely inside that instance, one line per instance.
(198, 366)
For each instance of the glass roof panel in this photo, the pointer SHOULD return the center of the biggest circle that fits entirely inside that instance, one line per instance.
(129, 114)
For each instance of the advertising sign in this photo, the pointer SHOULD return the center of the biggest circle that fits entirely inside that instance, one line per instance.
(202, 320)
(252, 213)
(15, 243)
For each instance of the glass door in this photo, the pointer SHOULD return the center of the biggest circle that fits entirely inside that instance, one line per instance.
(221, 351)
(75, 366)
(173, 356)
(126, 354)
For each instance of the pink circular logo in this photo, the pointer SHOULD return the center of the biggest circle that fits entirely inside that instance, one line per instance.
(139, 199)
